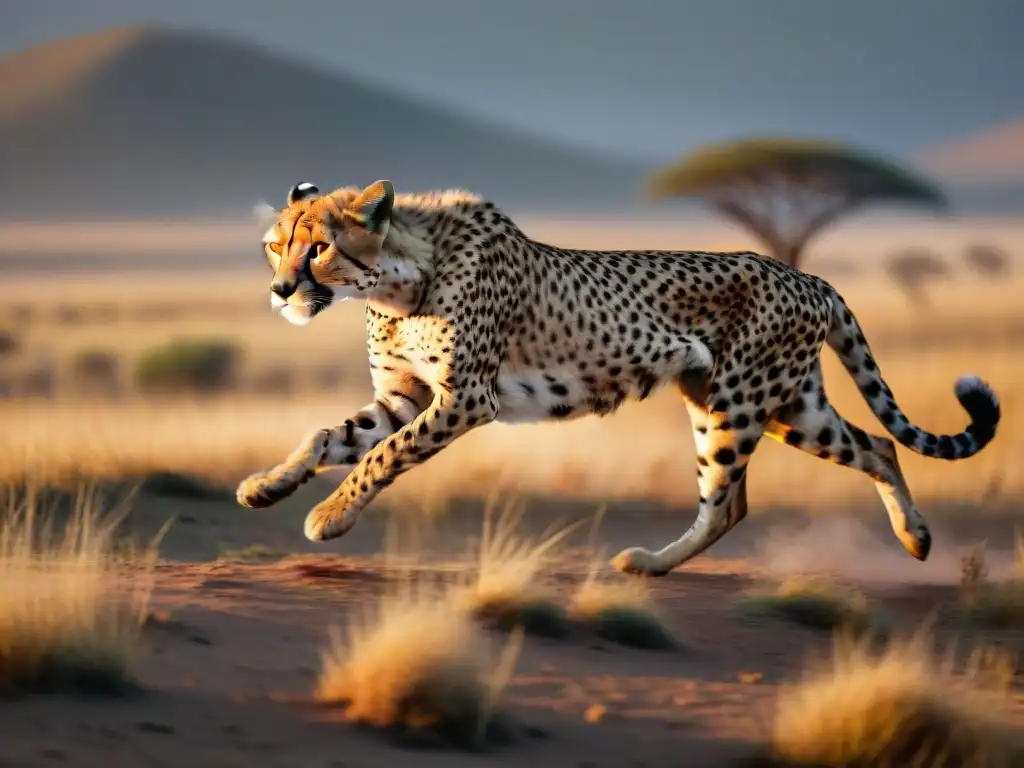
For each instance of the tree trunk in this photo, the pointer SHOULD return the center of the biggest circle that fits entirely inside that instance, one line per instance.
(787, 253)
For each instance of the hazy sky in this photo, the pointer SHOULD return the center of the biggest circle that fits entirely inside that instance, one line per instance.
(646, 78)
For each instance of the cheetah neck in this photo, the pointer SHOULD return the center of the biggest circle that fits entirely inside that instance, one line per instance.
(406, 267)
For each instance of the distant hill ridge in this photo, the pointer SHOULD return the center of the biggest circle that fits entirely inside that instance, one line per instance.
(995, 154)
(155, 122)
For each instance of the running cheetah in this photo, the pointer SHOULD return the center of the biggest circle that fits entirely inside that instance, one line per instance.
(469, 321)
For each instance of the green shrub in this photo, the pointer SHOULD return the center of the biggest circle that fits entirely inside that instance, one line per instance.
(188, 365)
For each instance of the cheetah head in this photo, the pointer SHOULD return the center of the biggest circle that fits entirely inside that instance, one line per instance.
(326, 248)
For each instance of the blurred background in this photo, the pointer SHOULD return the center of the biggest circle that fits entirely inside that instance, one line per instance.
(878, 145)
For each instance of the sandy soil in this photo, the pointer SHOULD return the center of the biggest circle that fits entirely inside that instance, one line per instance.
(230, 660)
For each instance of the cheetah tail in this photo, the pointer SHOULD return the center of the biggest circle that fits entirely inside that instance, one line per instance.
(847, 340)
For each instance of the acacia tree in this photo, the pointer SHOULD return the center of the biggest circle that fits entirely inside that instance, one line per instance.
(785, 191)
(913, 268)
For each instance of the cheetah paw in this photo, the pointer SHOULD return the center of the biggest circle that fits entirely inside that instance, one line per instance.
(639, 562)
(324, 523)
(258, 491)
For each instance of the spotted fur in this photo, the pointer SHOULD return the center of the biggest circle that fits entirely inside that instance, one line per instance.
(469, 321)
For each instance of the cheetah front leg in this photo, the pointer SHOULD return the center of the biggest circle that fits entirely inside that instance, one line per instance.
(343, 445)
(725, 442)
(450, 416)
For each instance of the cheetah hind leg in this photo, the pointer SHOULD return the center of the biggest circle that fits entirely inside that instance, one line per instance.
(723, 453)
(811, 424)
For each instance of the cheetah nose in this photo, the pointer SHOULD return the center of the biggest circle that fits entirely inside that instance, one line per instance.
(284, 288)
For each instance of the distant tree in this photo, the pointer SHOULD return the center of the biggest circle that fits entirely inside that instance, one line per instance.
(785, 191)
(988, 260)
(913, 268)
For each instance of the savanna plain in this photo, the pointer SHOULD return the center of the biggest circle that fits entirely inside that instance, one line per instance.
(471, 616)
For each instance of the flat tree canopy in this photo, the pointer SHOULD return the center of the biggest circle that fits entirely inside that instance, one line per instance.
(787, 190)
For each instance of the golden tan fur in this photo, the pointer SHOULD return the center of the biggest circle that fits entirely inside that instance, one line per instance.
(470, 321)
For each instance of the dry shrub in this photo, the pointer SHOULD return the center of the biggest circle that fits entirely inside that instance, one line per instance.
(505, 589)
(73, 602)
(892, 709)
(417, 664)
(95, 372)
(620, 609)
(816, 602)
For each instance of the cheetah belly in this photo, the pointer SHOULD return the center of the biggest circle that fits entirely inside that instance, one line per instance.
(530, 395)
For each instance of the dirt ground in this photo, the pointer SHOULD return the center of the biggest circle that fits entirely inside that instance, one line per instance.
(230, 663)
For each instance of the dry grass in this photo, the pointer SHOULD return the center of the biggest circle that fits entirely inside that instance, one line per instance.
(418, 665)
(620, 609)
(73, 603)
(505, 588)
(993, 603)
(816, 602)
(644, 452)
(898, 708)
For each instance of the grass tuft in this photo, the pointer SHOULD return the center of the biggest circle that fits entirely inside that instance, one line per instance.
(417, 664)
(505, 589)
(818, 603)
(621, 611)
(895, 708)
(74, 601)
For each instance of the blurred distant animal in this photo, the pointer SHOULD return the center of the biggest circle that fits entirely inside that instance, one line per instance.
(469, 321)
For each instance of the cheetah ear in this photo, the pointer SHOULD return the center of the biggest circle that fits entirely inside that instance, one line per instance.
(301, 191)
(372, 208)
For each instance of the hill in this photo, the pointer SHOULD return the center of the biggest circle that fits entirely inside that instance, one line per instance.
(992, 155)
(984, 171)
(153, 122)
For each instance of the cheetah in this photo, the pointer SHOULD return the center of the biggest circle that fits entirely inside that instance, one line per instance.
(468, 321)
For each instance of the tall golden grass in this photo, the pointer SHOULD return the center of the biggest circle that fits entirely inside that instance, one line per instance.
(643, 452)
(73, 603)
